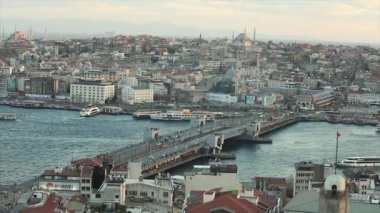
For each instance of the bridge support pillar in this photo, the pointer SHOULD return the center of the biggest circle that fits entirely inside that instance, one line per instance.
(198, 122)
(216, 141)
(151, 134)
(252, 129)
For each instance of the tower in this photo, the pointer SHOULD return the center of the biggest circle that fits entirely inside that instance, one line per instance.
(254, 35)
(45, 35)
(237, 75)
(333, 197)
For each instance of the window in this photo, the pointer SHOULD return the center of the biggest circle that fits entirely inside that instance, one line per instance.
(143, 194)
(133, 193)
(117, 196)
(152, 194)
(88, 188)
(98, 196)
(83, 188)
(165, 194)
(88, 181)
(83, 180)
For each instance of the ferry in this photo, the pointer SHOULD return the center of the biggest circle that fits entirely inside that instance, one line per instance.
(378, 128)
(144, 114)
(360, 162)
(89, 111)
(185, 115)
(7, 116)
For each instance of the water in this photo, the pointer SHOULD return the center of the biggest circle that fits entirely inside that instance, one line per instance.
(42, 139)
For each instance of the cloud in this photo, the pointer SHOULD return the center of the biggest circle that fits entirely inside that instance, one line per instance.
(309, 19)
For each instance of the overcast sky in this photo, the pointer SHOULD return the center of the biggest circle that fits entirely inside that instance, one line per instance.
(346, 20)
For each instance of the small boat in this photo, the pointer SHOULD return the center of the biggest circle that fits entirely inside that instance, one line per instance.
(7, 116)
(373, 161)
(89, 110)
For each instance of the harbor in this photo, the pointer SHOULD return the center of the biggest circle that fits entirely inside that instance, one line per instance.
(90, 141)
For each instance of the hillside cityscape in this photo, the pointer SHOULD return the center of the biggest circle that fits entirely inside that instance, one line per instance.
(187, 101)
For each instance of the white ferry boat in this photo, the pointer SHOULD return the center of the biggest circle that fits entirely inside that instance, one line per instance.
(185, 115)
(8, 116)
(89, 111)
(144, 114)
(373, 161)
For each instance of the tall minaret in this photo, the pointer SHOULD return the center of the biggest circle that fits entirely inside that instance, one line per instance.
(245, 38)
(31, 33)
(233, 35)
(254, 35)
(45, 36)
(237, 75)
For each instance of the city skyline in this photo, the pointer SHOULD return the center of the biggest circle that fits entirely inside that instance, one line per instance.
(344, 21)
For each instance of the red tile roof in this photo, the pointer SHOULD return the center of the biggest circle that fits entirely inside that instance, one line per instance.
(227, 202)
(87, 171)
(66, 172)
(49, 206)
(95, 161)
(120, 167)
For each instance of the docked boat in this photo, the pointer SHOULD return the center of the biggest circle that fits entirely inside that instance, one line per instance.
(185, 115)
(7, 116)
(373, 161)
(139, 115)
(89, 111)
(378, 128)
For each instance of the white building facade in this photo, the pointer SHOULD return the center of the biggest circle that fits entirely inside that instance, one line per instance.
(136, 94)
(218, 97)
(91, 92)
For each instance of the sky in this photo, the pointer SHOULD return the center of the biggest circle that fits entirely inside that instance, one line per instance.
(303, 20)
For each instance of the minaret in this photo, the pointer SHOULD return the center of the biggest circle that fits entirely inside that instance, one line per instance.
(233, 35)
(237, 75)
(245, 38)
(31, 33)
(254, 35)
(45, 36)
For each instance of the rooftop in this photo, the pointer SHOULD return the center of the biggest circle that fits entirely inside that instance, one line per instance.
(49, 206)
(227, 202)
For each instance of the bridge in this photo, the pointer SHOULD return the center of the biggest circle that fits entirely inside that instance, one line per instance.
(158, 153)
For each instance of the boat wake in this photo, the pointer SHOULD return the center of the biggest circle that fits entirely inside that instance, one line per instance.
(370, 135)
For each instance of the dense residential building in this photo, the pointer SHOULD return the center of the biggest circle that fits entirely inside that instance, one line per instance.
(136, 94)
(363, 98)
(211, 176)
(307, 173)
(106, 75)
(67, 181)
(91, 91)
(332, 197)
(42, 86)
(224, 98)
